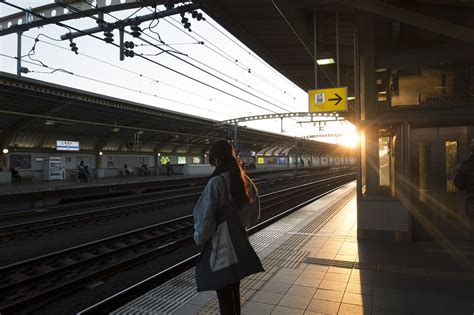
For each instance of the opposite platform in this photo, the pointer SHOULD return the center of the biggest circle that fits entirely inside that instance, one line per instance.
(314, 264)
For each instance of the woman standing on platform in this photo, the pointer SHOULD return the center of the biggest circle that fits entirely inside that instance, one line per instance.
(227, 207)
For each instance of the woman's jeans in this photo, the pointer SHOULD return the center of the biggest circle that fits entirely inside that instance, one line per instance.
(229, 299)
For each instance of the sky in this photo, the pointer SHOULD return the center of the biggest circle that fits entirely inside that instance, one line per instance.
(200, 60)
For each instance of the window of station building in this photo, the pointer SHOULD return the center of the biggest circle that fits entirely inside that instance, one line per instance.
(260, 160)
(363, 165)
(451, 163)
(415, 85)
(384, 161)
(196, 160)
(424, 170)
(181, 160)
(272, 160)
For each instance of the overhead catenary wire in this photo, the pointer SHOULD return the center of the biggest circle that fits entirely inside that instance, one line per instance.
(152, 80)
(229, 58)
(250, 53)
(111, 84)
(213, 75)
(209, 73)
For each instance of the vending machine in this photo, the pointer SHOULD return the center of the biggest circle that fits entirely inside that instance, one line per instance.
(54, 168)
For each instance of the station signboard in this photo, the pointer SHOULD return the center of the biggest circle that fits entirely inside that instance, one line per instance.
(62, 145)
(328, 100)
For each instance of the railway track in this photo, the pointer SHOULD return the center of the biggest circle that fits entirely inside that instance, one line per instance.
(35, 280)
(121, 206)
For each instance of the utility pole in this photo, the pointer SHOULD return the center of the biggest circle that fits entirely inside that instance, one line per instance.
(18, 54)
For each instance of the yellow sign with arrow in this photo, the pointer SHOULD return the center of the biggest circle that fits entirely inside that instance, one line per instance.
(328, 100)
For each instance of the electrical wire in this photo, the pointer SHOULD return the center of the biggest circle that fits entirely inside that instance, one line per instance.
(195, 60)
(110, 84)
(228, 57)
(152, 80)
(234, 60)
(226, 75)
(250, 53)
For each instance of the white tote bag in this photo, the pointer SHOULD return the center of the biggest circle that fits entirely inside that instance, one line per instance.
(223, 254)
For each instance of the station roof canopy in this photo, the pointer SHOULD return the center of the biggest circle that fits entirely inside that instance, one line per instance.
(282, 33)
(35, 114)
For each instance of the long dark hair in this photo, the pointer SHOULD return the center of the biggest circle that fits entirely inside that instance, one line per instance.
(223, 151)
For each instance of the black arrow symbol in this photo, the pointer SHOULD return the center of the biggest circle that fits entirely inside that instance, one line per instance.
(338, 99)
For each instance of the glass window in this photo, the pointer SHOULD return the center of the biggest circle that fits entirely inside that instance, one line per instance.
(424, 169)
(451, 163)
(181, 160)
(363, 163)
(384, 161)
(425, 85)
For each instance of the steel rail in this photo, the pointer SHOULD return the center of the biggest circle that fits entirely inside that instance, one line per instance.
(34, 227)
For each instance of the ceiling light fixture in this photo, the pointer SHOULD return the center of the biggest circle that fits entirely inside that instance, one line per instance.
(327, 61)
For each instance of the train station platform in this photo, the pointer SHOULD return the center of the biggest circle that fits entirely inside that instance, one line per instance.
(314, 264)
(40, 194)
(44, 186)
(39, 186)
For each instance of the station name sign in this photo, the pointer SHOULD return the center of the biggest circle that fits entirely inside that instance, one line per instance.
(328, 100)
(62, 145)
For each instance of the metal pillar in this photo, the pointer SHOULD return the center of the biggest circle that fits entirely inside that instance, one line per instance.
(315, 37)
(121, 35)
(357, 102)
(18, 54)
(281, 125)
(337, 49)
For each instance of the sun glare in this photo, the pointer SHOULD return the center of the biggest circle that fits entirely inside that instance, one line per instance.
(349, 140)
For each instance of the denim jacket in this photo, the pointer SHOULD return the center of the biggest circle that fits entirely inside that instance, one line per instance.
(213, 198)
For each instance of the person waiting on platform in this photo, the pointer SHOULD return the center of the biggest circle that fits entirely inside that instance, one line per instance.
(143, 169)
(16, 178)
(227, 207)
(169, 168)
(464, 181)
(125, 171)
(83, 174)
